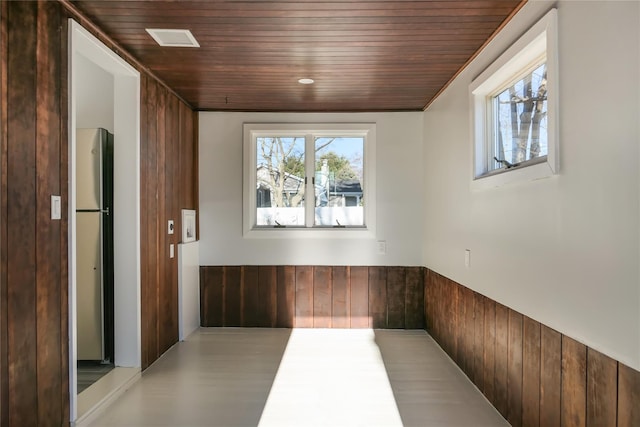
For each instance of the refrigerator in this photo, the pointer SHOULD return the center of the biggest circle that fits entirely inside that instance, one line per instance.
(94, 244)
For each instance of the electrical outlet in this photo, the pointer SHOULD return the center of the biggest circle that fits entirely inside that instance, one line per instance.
(467, 258)
(382, 247)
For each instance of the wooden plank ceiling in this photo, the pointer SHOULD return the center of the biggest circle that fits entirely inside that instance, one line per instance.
(363, 55)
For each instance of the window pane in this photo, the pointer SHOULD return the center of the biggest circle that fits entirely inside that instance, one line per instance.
(280, 181)
(520, 113)
(338, 181)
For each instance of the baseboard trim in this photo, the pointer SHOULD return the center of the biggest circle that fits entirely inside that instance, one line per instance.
(96, 398)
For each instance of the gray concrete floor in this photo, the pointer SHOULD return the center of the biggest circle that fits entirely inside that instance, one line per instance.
(302, 377)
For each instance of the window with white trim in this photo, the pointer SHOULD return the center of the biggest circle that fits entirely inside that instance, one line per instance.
(514, 110)
(306, 177)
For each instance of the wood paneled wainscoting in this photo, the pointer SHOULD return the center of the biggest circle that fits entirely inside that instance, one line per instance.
(312, 296)
(533, 375)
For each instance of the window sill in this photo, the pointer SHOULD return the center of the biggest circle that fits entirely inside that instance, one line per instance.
(310, 233)
(513, 176)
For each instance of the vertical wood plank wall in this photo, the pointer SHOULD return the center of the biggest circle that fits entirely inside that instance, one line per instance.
(532, 374)
(33, 249)
(312, 296)
(167, 185)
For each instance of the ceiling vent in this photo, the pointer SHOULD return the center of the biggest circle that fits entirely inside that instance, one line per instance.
(173, 38)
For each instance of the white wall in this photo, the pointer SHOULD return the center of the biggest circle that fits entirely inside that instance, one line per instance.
(95, 94)
(563, 250)
(188, 289)
(399, 195)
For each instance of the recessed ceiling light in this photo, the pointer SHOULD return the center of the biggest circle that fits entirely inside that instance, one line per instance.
(305, 81)
(173, 38)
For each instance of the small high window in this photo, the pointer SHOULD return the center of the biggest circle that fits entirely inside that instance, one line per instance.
(519, 131)
(514, 108)
(308, 177)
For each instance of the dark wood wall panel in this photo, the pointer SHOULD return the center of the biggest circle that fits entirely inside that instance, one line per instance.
(312, 296)
(550, 376)
(414, 298)
(304, 297)
(429, 311)
(322, 296)
(628, 396)
(4, 144)
(466, 328)
(250, 296)
(359, 281)
(168, 157)
(514, 370)
(396, 295)
(212, 295)
(232, 296)
(489, 355)
(450, 327)
(164, 279)
(574, 383)
(533, 375)
(377, 297)
(144, 195)
(33, 253)
(21, 213)
(602, 384)
(150, 242)
(478, 340)
(48, 181)
(530, 373)
(501, 358)
(267, 296)
(64, 224)
(285, 300)
(187, 148)
(341, 297)
(459, 324)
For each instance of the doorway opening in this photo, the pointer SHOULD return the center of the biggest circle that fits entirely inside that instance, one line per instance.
(104, 317)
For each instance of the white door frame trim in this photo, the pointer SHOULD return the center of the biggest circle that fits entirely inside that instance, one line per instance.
(126, 202)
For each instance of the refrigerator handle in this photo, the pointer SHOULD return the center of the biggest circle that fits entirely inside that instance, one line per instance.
(104, 211)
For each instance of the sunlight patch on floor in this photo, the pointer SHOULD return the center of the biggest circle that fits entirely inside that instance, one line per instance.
(331, 377)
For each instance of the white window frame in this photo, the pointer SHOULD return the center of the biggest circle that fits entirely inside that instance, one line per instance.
(540, 40)
(252, 131)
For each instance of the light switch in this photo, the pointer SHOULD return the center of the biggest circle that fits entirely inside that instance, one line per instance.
(170, 227)
(171, 251)
(467, 258)
(56, 207)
